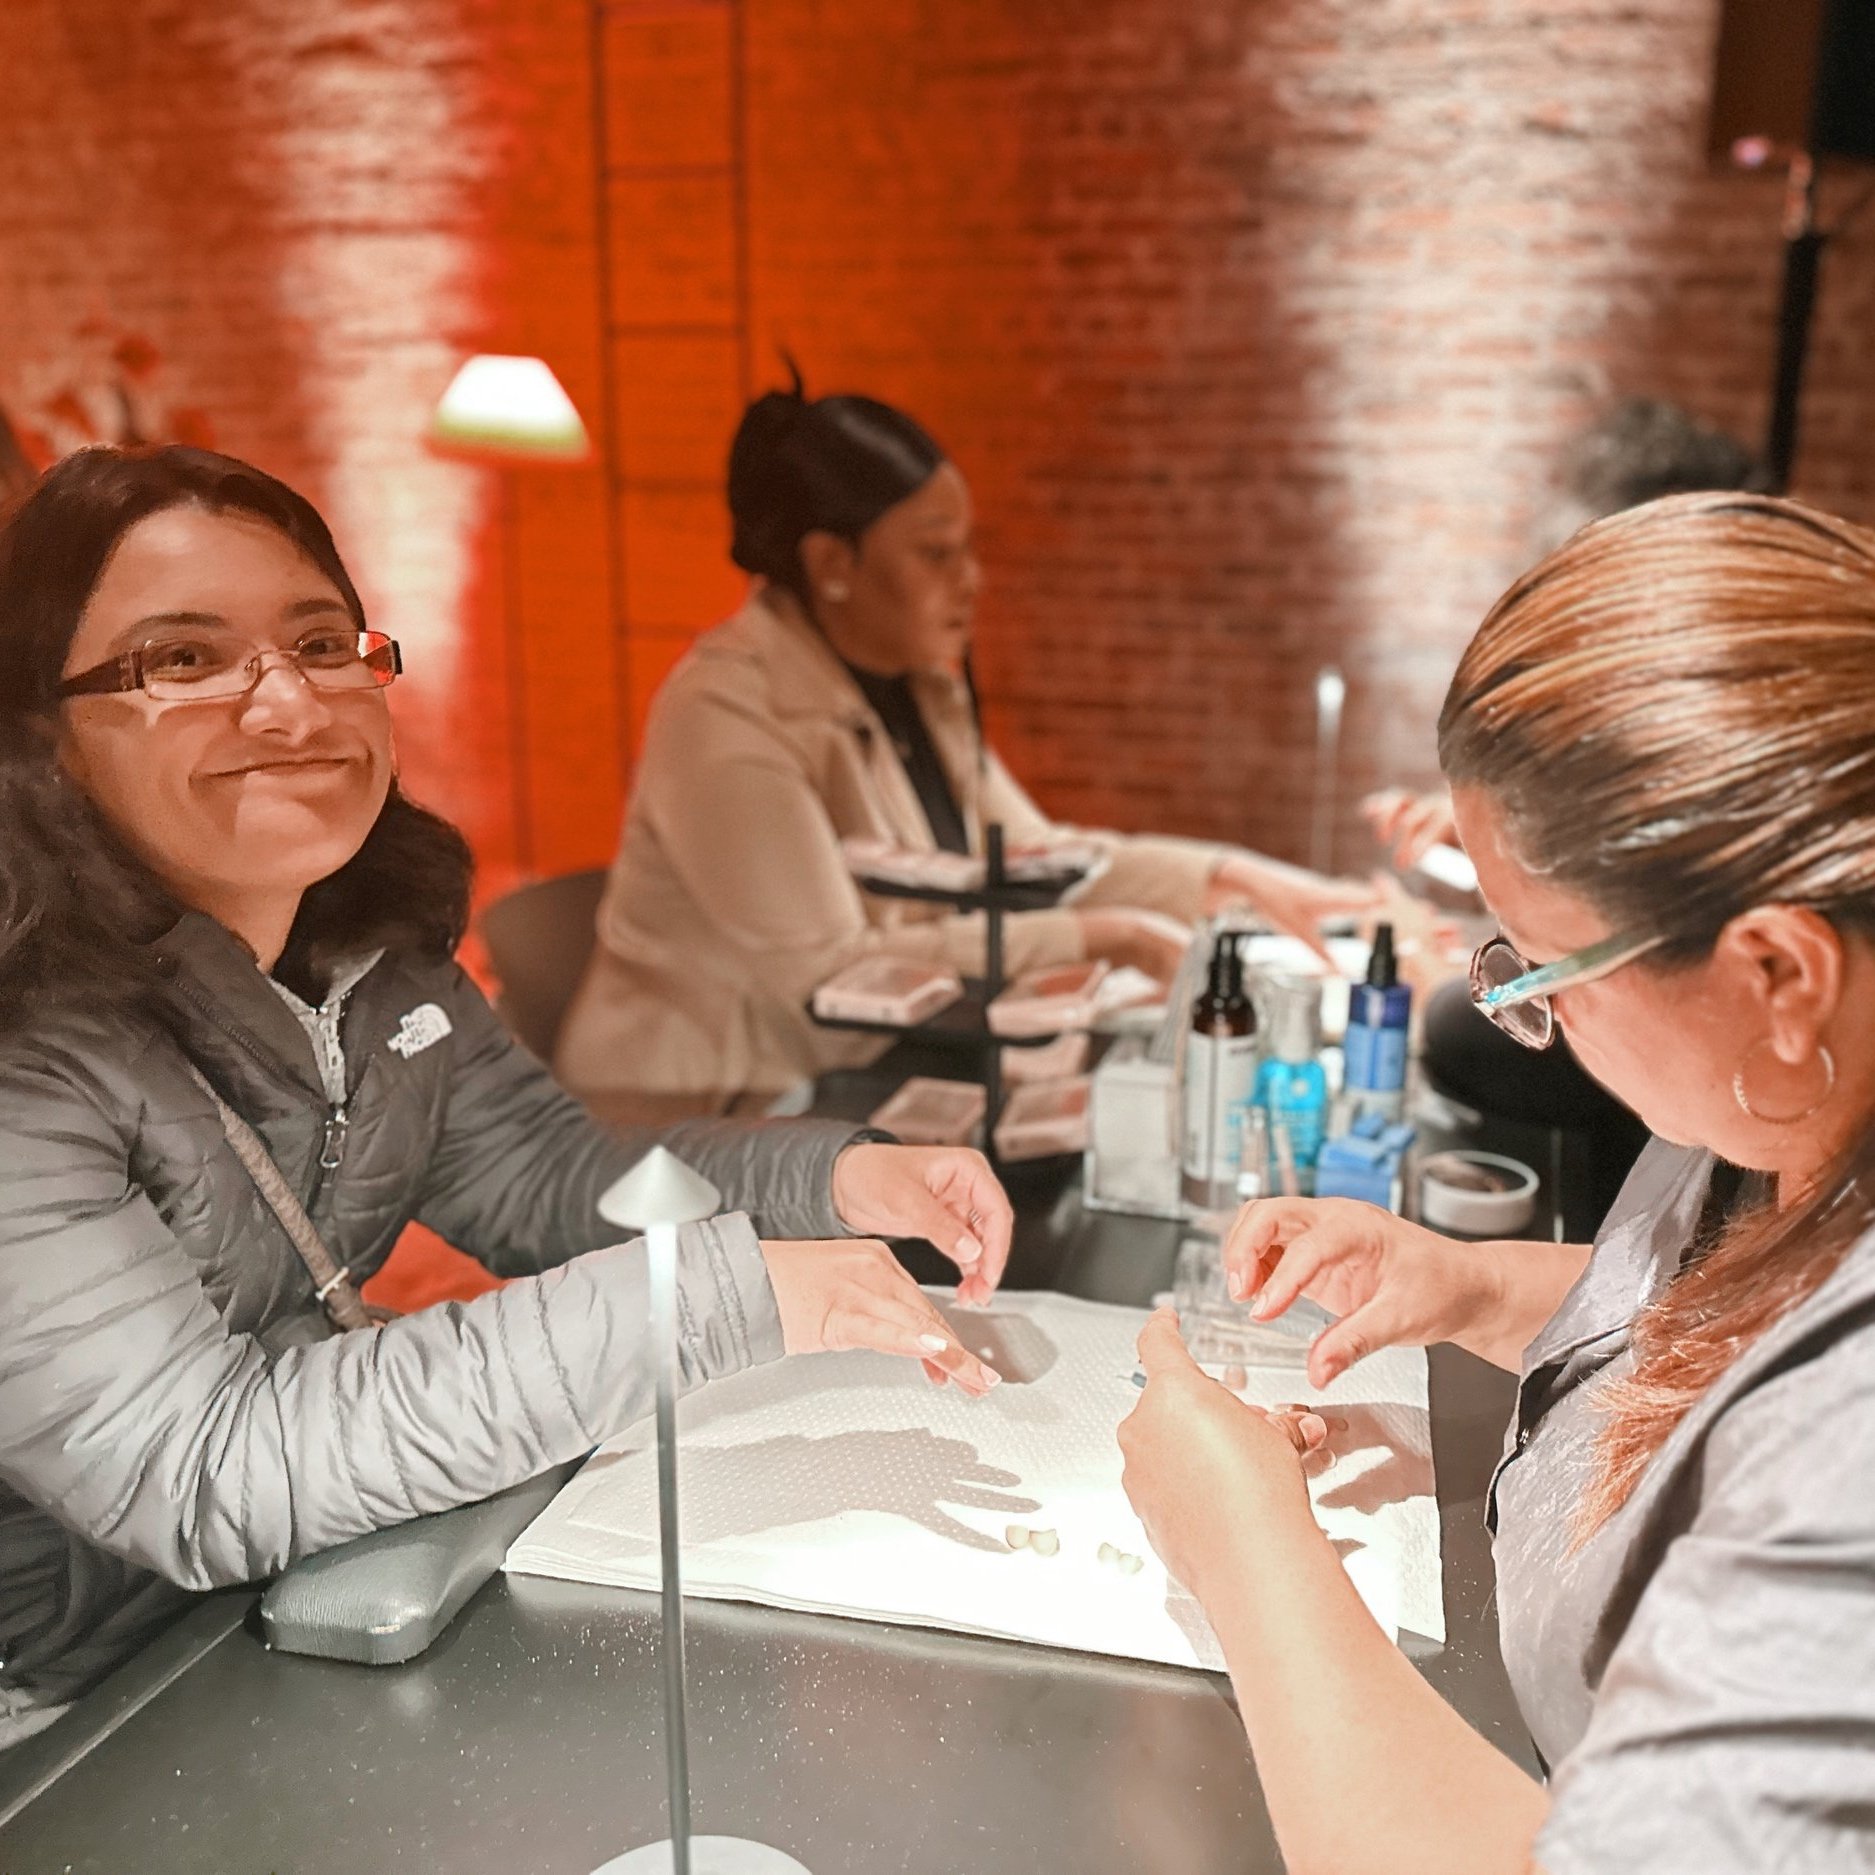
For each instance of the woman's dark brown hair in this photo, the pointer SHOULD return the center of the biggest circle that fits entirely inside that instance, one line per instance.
(1675, 715)
(800, 465)
(76, 909)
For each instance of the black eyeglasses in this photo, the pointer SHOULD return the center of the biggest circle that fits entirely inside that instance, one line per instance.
(204, 665)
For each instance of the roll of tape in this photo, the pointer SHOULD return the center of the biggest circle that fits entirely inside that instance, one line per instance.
(1477, 1194)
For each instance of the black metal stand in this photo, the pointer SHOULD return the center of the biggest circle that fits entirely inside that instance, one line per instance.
(965, 1025)
(1804, 243)
(993, 882)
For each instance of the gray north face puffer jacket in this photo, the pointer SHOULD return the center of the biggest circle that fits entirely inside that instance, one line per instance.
(175, 1412)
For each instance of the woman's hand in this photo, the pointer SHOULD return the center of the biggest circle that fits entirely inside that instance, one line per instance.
(1146, 940)
(1288, 897)
(1391, 1283)
(852, 1293)
(1203, 1469)
(945, 1194)
(1330, 1705)
(1411, 824)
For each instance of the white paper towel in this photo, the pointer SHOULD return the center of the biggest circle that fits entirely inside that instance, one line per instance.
(845, 1484)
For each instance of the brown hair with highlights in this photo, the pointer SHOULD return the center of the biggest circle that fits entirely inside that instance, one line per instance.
(1675, 714)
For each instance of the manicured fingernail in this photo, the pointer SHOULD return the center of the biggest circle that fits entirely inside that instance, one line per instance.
(934, 1344)
(992, 1377)
(969, 1250)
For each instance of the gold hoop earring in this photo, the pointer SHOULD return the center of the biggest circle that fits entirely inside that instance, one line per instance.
(1782, 1119)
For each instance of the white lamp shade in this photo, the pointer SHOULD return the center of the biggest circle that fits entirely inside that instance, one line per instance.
(506, 407)
(659, 1189)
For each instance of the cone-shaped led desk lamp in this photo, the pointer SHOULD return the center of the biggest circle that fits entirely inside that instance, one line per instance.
(659, 1193)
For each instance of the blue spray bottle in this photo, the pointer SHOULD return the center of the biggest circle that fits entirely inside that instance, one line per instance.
(1379, 1011)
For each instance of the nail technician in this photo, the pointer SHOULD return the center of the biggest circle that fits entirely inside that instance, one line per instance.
(837, 704)
(1662, 751)
(236, 1058)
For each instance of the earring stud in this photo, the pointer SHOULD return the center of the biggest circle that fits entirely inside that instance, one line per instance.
(835, 592)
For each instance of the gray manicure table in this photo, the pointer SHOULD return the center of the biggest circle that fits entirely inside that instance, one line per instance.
(528, 1740)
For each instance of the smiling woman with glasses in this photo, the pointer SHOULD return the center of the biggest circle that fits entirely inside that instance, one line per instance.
(237, 1058)
(1661, 745)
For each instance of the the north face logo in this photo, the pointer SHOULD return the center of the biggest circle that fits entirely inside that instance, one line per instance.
(422, 1028)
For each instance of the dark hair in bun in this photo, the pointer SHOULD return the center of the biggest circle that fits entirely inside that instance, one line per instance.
(801, 465)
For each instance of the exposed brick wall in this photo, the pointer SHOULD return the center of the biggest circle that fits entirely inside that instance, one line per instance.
(1255, 326)
(1257, 329)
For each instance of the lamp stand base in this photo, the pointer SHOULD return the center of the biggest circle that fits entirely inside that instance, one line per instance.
(709, 1855)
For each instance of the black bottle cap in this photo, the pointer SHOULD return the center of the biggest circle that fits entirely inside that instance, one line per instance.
(1382, 972)
(1226, 968)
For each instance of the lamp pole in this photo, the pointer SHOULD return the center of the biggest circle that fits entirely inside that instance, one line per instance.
(1331, 692)
(518, 754)
(656, 1196)
(507, 412)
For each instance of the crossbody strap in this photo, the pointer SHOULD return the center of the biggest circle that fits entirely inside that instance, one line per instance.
(332, 1285)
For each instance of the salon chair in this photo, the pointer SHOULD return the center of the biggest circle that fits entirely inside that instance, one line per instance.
(540, 937)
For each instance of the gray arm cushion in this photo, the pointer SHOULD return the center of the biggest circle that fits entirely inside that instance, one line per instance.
(385, 1597)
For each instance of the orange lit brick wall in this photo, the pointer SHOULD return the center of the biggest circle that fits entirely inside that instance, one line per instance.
(1255, 326)
(302, 216)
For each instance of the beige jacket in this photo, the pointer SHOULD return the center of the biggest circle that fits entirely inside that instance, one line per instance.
(729, 900)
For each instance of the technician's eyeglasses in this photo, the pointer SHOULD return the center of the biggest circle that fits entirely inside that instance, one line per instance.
(202, 665)
(1507, 989)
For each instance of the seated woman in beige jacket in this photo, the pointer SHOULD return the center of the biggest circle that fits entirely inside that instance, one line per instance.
(837, 705)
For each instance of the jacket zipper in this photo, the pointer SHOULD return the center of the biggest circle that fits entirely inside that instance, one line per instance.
(331, 1152)
(338, 1118)
(332, 1144)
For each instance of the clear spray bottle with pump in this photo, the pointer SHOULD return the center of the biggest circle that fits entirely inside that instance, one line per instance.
(1291, 1088)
